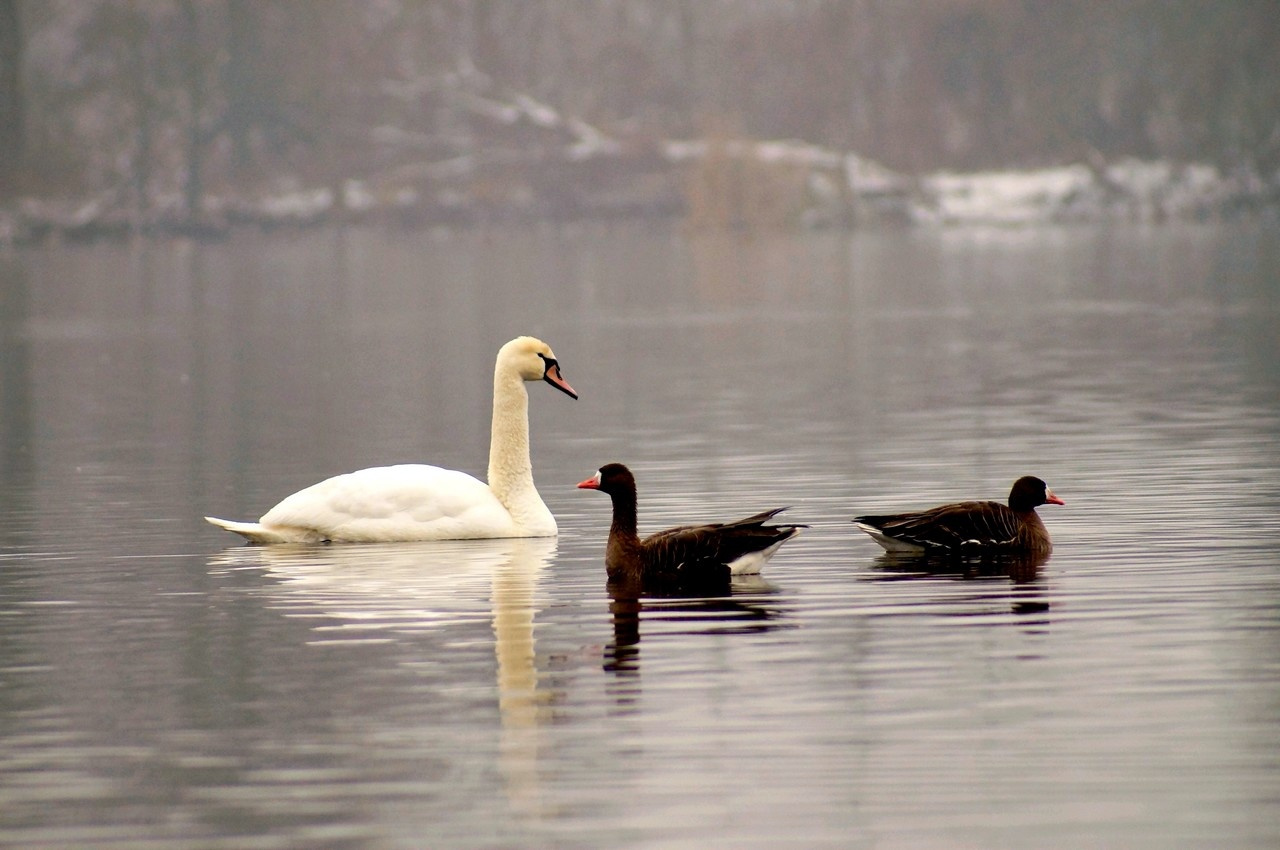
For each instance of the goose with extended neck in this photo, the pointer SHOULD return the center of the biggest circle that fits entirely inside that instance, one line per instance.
(421, 502)
(689, 557)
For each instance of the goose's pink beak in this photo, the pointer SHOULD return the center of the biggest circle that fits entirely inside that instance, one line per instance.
(1051, 499)
(592, 483)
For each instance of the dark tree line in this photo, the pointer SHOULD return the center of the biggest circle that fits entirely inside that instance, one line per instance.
(167, 100)
(12, 105)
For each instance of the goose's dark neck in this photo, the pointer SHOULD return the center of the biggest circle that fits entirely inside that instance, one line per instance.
(1032, 531)
(624, 515)
(1031, 518)
(623, 555)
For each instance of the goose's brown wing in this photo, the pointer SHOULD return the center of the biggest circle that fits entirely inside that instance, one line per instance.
(707, 550)
(952, 528)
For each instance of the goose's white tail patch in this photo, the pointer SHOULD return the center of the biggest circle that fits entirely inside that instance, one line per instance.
(890, 544)
(751, 563)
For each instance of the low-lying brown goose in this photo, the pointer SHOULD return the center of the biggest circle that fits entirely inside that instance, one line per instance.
(970, 528)
(687, 556)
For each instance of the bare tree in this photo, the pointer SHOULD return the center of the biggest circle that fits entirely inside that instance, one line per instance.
(12, 103)
(192, 80)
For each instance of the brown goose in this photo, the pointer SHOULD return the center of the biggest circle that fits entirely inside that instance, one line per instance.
(690, 555)
(970, 528)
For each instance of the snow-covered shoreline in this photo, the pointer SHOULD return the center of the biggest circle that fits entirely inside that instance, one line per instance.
(587, 175)
(1130, 190)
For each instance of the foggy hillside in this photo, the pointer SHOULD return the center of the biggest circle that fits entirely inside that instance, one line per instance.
(125, 114)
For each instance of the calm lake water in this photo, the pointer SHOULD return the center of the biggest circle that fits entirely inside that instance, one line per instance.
(163, 687)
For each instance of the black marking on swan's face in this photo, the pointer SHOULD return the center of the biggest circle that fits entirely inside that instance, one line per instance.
(551, 374)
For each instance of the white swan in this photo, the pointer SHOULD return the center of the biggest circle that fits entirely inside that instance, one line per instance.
(418, 502)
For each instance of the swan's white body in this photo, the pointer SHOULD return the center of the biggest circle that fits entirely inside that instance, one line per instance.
(420, 502)
(394, 503)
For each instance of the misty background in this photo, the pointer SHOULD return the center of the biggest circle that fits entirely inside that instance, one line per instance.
(1097, 306)
(199, 109)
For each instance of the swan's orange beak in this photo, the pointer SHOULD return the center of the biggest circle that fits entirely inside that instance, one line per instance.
(552, 377)
(1050, 499)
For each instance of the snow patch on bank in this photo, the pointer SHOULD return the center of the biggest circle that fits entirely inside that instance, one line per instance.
(1130, 189)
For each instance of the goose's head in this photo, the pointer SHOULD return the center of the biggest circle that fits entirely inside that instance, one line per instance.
(533, 360)
(1030, 492)
(611, 478)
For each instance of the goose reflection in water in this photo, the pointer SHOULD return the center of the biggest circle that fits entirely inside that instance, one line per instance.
(1022, 572)
(739, 609)
(371, 592)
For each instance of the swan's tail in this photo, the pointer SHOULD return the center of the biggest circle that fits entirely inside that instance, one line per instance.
(251, 531)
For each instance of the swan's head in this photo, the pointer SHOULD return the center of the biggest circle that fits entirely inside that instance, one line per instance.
(533, 360)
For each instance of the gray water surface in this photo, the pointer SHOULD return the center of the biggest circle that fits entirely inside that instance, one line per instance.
(162, 686)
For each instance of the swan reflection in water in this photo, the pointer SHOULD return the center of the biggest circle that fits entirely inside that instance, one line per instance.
(361, 593)
(737, 609)
(1022, 573)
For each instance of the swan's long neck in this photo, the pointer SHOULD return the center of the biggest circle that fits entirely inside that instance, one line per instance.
(510, 470)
